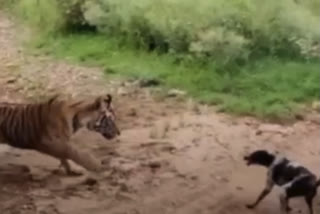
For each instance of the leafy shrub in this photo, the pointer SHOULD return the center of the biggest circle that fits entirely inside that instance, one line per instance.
(72, 13)
(44, 15)
(50, 16)
(220, 44)
(220, 30)
(227, 30)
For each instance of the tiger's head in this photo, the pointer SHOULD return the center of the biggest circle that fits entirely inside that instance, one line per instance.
(97, 116)
(105, 122)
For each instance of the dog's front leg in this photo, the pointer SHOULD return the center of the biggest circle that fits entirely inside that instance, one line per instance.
(263, 194)
(284, 202)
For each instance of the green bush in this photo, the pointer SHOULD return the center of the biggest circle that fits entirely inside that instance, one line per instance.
(219, 29)
(216, 40)
(7, 3)
(49, 16)
(72, 13)
(44, 15)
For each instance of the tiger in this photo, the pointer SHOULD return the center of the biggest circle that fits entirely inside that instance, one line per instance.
(47, 127)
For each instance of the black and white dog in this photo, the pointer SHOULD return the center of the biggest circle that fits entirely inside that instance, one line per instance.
(294, 179)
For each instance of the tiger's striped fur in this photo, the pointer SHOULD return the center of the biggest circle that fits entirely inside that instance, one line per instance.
(48, 126)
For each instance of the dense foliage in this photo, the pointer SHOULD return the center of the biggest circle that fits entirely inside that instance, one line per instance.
(223, 31)
(247, 56)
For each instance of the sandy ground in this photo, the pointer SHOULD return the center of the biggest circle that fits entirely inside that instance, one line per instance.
(173, 156)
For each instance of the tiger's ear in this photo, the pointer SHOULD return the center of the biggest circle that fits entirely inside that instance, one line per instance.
(108, 99)
(53, 98)
(102, 102)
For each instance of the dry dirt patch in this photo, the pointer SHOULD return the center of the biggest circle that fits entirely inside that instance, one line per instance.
(172, 157)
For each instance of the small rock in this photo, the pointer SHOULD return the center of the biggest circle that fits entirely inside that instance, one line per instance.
(258, 132)
(273, 128)
(122, 92)
(90, 181)
(109, 71)
(154, 164)
(167, 175)
(218, 178)
(27, 207)
(126, 196)
(126, 167)
(149, 83)
(11, 80)
(182, 175)
(11, 65)
(134, 211)
(156, 183)
(299, 116)
(313, 153)
(20, 168)
(169, 148)
(239, 188)
(219, 158)
(107, 174)
(316, 106)
(222, 179)
(173, 203)
(226, 180)
(176, 93)
(40, 193)
(124, 186)
(132, 112)
(194, 177)
(314, 119)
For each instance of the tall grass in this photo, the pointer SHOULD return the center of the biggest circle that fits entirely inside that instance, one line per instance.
(49, 16)
(269, 88)
(247, 56)
(220, 30)
(43, 15)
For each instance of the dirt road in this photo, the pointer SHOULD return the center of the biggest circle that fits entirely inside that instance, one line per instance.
(172, 157)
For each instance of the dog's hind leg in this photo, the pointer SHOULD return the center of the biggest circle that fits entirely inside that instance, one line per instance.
(309, 200)
(302, 186)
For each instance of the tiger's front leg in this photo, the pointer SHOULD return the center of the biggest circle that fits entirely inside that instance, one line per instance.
(84, 159)
(65, 151)
(72, 172)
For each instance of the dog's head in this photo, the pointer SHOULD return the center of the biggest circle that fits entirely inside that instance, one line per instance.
(259, 157)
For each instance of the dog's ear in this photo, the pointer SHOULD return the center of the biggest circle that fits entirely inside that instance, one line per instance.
(247, 159)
